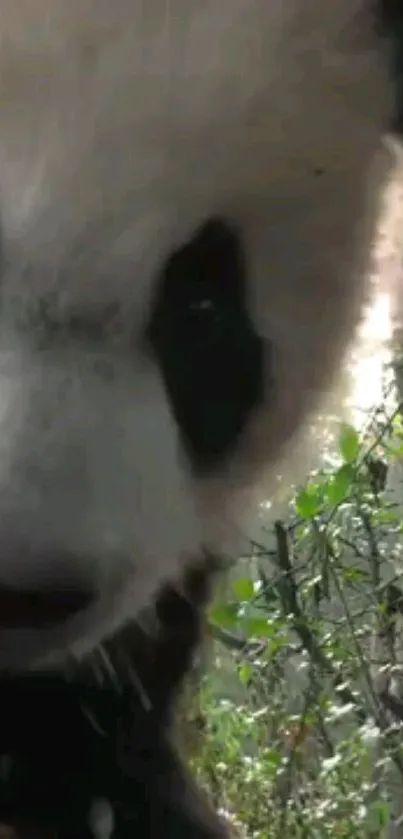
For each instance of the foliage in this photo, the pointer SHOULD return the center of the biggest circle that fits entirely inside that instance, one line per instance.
(302, 712)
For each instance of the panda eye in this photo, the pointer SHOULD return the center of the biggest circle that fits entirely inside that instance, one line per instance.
(204, 321)
(202, 306)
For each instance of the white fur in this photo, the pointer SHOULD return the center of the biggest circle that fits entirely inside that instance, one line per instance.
(123, 125)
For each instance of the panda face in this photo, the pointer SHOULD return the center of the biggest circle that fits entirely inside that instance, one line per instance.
(187, 197)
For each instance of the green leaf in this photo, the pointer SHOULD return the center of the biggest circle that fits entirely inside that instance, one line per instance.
(386, 517)
(340, 485)
(257, 627)
(245, 672)
(397, 424)
(378, 817)
(353, 574)
(277, 643)
(307, 503)
(243, 589)
(349, 444)
(224, 614)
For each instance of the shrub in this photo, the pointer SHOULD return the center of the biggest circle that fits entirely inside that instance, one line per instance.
(302, 711)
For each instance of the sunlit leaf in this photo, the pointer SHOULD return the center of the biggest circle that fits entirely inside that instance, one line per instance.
(349, 444)
(308, 502)
(340, 485)
(245, 672)
(243, 588)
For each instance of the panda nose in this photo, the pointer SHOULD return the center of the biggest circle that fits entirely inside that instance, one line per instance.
(40, 608)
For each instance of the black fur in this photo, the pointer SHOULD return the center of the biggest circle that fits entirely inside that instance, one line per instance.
(389, 19)
(70, 740)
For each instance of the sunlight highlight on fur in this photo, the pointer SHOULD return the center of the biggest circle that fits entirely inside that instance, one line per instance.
(370, 361)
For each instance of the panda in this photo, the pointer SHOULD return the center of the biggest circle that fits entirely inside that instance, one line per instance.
(189, 192)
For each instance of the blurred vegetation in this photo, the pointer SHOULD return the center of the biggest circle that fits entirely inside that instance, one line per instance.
(301, 711)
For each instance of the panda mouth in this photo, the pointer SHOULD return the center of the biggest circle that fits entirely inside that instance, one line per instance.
(40, 609)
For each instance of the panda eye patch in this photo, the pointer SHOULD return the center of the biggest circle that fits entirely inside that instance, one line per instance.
(205, 344)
